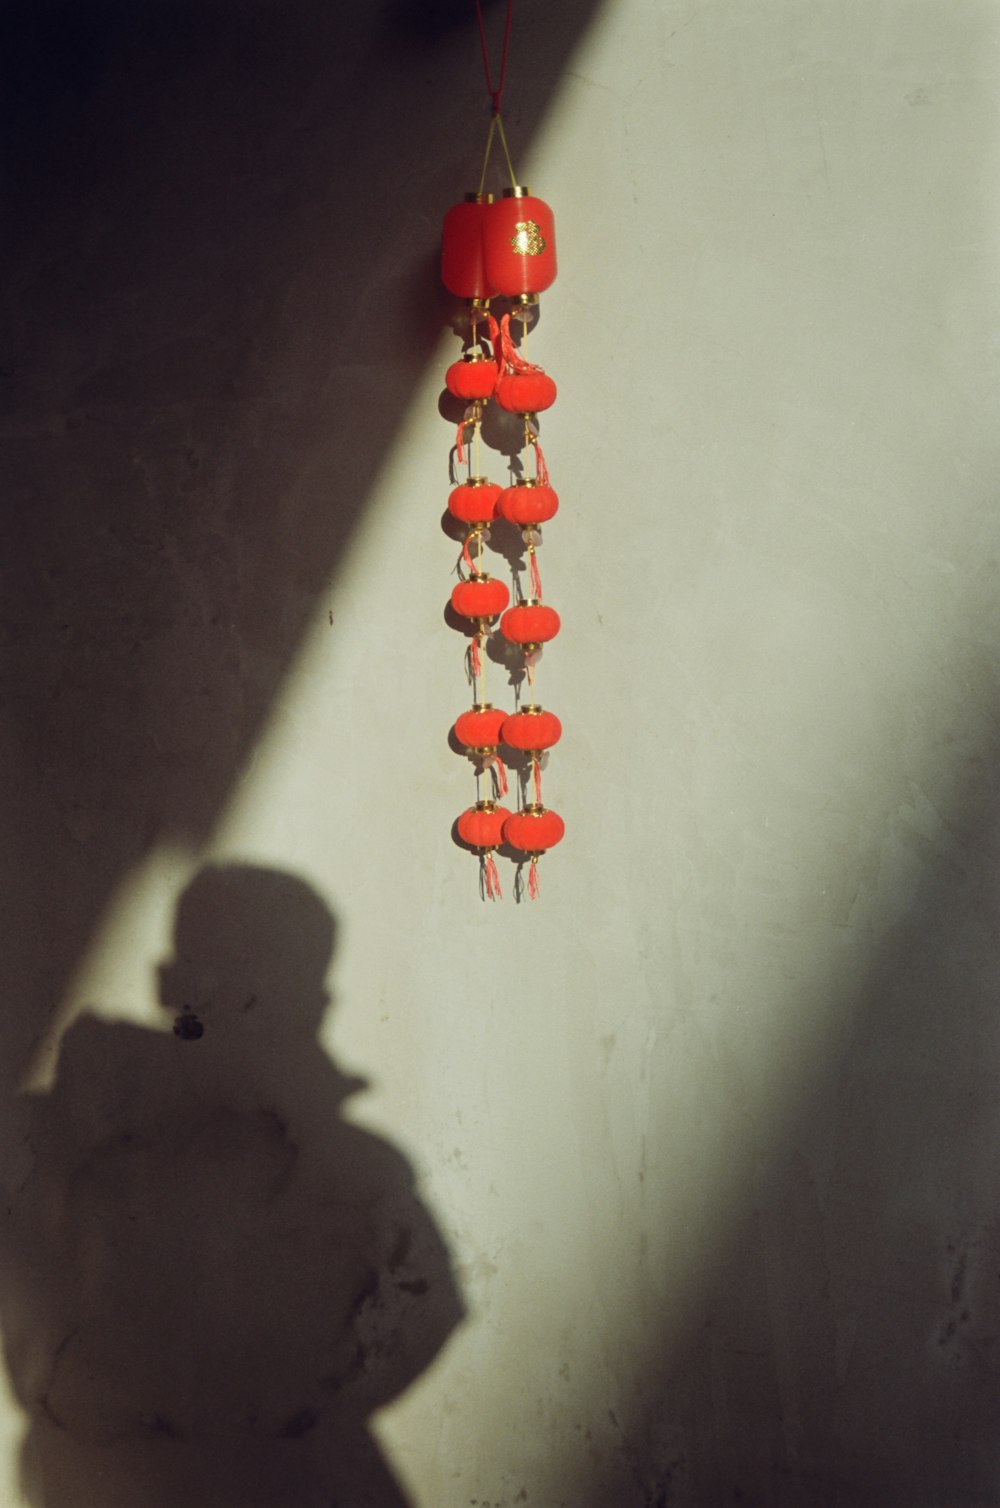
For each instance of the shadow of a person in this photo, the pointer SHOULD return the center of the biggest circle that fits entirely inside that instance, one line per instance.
(214, 1278)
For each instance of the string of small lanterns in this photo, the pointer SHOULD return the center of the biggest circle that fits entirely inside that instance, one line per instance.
(502, 248)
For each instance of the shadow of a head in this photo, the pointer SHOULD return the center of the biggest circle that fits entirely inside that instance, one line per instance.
(248, 943)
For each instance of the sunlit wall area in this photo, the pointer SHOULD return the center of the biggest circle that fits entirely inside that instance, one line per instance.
(708, 1130)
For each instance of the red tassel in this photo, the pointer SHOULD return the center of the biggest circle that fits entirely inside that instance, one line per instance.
(460, 442)
(496, 764)
(533, 880)
(468, 560)
(475, 664)
(533, 575)
(491, 879)
(511, 354)
(541, 470)
(494, 329)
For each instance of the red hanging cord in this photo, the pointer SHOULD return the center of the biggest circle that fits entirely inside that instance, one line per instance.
(495, 91)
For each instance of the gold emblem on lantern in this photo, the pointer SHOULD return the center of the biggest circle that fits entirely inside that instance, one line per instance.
(527, 239)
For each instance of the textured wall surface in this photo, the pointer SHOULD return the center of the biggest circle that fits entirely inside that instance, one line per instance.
(681, 1186)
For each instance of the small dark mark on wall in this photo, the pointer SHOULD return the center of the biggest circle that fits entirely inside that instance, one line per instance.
(188, 1027)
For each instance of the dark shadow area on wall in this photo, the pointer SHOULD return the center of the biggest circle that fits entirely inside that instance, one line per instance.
(219, 290)
(210, 1278)
(845, 1348)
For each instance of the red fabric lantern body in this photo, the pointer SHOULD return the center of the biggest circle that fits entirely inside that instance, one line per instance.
(534, 829)
(480, 597)
(519, 244)
(531, 730)
(528, 504)
(472, 379)
(479, 729)
(529, 622)
(482, 825)
(525, 392)
(474, 501)
(463, 269)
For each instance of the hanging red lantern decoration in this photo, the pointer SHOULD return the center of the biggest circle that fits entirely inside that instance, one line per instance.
(528, 504)
(481, 827)
(473, 378)
(525, 392)
(479, 728)
(474, 501)
(502, 248)
(481, 597)
(530, 623)
(463, 269)
(531, 730)
(519, 236)
(533, 831)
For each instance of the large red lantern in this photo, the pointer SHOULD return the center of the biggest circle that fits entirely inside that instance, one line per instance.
(463, 269)
(520, 243)
(502, 248)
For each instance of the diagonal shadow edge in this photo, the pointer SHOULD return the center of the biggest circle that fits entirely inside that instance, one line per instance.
(222, 291)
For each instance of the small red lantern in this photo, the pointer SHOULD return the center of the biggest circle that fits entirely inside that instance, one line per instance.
(528, 504)
(529, 623)
(480, 597)
(525, 392)
(519, 238)
(463, 269)
(473, 378)
(531, 730)
(534, 829)
(481, 826)
(475, 501)
(479, 729)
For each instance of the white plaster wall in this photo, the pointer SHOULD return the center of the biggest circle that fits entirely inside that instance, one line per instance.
(709, 1129)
